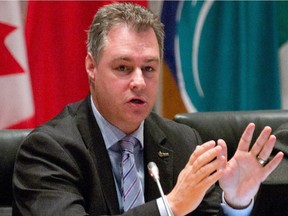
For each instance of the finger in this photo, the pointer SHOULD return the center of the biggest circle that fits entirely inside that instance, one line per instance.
(223, 153)
(267, 148)
(261, 140)
(206, 158)
(223, 145)
(273, 164)
(201, 156)
(201, 149)
(209, 168)
(211, 179)
(246, 137)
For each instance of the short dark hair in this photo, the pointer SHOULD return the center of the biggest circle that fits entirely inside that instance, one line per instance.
(134, 15)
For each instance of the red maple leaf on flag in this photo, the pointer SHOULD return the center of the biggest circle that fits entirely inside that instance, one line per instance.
(8, 64)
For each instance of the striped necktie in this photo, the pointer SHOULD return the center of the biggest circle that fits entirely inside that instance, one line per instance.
(132, 193)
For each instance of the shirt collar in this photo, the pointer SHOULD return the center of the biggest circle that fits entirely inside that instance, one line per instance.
(112, 134)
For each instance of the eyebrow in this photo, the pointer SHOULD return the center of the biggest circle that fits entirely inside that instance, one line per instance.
(149, 59)
(152, 60)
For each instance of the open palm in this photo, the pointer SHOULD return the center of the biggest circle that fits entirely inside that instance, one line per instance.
(243, 173)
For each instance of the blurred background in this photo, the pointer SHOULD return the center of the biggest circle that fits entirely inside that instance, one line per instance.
(219, 56)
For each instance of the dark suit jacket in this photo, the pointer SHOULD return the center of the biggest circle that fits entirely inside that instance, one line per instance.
(63, 168)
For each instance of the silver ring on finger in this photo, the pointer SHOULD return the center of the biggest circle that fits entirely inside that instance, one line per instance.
(261, 161)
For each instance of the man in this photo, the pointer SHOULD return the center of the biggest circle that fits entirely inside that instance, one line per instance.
(75, 163)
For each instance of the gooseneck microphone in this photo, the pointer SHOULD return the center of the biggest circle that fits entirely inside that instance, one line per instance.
(154, 173)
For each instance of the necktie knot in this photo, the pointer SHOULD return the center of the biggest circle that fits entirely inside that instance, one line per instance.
(127, 144)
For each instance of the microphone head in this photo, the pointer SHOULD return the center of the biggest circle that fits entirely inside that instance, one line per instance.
(153, 170)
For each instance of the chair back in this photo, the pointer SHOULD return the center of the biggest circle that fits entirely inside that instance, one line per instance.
(10, 140)
(230, 125)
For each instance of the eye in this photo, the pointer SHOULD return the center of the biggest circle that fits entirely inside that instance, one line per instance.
(122, 68)
(148, 69)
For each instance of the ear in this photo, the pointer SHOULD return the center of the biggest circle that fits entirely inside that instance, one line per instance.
(90, 66)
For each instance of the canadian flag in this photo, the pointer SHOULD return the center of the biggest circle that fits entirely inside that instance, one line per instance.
(16, 98)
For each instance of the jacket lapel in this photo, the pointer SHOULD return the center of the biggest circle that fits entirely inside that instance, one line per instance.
(95, 143)
(157, 149)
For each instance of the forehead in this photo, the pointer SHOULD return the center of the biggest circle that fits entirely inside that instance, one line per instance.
(122, 38)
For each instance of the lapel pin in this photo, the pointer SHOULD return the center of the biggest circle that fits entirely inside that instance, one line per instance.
(163, 154)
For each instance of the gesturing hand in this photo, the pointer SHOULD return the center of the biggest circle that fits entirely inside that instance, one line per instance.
(200, 173)
(244, 173)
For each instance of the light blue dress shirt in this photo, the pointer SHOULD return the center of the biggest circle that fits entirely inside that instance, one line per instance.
(111, 136)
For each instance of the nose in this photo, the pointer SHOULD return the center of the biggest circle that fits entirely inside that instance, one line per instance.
(137, 81)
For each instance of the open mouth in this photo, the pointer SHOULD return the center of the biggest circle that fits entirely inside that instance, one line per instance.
(137, 101)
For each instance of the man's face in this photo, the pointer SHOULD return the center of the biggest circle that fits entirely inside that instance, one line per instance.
(125, 80)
